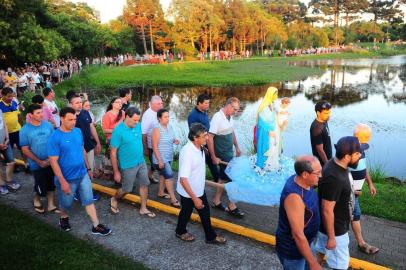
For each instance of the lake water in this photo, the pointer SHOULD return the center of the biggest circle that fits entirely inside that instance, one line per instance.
(370, 91)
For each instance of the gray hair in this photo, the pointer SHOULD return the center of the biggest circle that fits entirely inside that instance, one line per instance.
(304, 164)
(155, 99)
(232, 100)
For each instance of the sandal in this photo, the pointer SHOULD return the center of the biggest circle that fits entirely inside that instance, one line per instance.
(235, 212)
(165, 196)
(368, 249)
(219, 206)
(55, 210)
(219, 240)
(187, 237)
(148, 214)
(114, 210)
(39, 209)
(175, 204)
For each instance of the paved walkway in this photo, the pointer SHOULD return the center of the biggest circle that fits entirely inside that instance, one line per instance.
(152, 241)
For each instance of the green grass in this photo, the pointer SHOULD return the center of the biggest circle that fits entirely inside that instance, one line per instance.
(390, 199)
(27, 243)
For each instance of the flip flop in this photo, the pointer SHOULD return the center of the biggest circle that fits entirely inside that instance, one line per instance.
(175, 204)
(114, 210)
(368, 249)
(165, 196)
(187, 237)
(39, 209)
(219, 206)
(148, 214)
(55, 210)
(219, 240)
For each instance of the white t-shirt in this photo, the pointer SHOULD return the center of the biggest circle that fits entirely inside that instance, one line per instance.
(53, 107)
(148, 123)
(220, 125)
(192, 166)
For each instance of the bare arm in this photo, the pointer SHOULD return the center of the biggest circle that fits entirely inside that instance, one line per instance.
(327, 210)
(295, 211)
(322, 154)
(237, 148)
(53, 160)
(185, 184)
(155, 141)
(93, 131)
(371, 186)
(27, 152)
(145, 144)
(210, 145)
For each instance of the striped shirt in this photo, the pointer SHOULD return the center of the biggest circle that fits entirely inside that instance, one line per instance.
(165, 145)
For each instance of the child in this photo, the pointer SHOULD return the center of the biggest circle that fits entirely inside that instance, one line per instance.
(359, 175)
(283, 115)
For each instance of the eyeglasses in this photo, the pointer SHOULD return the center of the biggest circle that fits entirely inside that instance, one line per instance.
(235, 109)
(326, 106)
(316, 173)
(203, 135)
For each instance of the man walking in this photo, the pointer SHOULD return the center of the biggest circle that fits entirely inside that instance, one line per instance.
(299, 216)
(336, 197)
(148, 123)
(199, 115)
(69, 162)
(128, 162)
(220, 143)
(190, 186)
(320, 133)
(33, 140)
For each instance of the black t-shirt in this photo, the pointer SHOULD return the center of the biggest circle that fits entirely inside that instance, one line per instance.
(320, 134)
(125, 106)
(335, 186)
(83, 121)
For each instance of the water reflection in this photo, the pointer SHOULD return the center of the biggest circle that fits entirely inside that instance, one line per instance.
(368, 91)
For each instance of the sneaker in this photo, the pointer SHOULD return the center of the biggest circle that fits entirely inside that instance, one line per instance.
(96, 196)
(76, 197)
(64, 223)
(101, 230)
(3, 190)
(13, 185)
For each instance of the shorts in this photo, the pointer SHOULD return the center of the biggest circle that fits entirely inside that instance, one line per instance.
(357, 210)
(43, 181)
(129, 176)
(338, 258)
(15, 139)
(83, 187)
(8, 155)
(222, 175)
(166, 171)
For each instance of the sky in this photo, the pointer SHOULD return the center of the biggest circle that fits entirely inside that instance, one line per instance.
(111, 9)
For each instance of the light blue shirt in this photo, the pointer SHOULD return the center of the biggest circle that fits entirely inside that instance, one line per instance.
(128, 142)
(36, 138)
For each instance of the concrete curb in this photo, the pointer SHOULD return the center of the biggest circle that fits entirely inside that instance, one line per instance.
(228, 226)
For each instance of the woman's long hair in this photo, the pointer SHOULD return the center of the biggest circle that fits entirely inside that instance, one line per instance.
(110, 107)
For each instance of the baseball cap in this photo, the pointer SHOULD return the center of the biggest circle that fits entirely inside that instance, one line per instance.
(322, 105)
(349, 145)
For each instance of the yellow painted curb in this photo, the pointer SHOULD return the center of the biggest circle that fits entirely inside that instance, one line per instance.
(228, 226)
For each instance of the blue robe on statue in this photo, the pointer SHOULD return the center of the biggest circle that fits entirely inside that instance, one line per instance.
(266, 123)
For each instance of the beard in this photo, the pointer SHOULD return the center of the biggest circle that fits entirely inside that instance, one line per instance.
(353, 165)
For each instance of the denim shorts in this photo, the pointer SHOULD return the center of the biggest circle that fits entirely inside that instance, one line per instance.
(338, 258)
(166, 171)
(289, 264)
(83, 187)
(8, 154)
(357, 210)
(129, 177)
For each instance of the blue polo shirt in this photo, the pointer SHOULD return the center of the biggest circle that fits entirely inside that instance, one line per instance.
(197, 116)
(68, 147)
(36, 138)
(128, 142)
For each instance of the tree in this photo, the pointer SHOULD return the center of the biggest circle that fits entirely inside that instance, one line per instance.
(287, 10)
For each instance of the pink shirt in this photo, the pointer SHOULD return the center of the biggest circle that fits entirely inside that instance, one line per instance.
(109, 121)
(46, 115)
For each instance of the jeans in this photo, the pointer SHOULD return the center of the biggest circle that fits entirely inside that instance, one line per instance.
(84, 186)
(186, 210)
